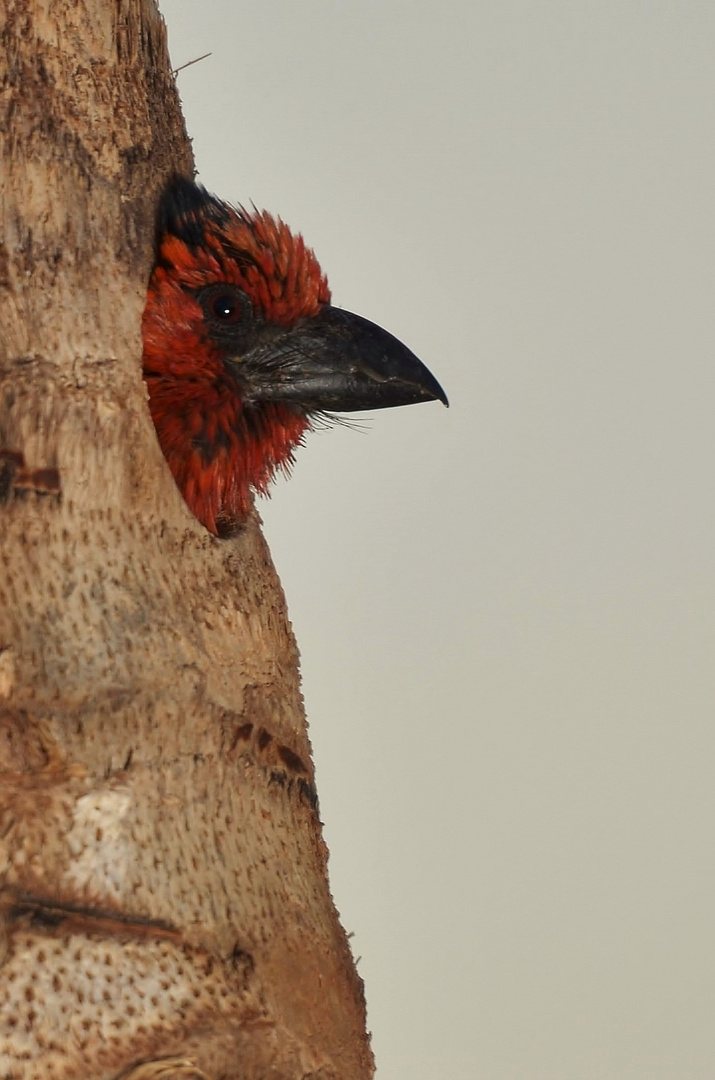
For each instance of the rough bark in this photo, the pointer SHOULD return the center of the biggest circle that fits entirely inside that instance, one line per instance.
(163, 893)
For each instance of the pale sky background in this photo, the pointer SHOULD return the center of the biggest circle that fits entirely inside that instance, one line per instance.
(506, 610)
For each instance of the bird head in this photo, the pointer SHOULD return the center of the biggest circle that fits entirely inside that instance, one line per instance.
(243, 351)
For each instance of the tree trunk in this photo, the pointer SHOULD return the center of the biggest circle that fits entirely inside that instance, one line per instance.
(163, 890)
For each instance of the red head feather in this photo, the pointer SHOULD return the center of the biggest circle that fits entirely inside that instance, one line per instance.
(218, 448)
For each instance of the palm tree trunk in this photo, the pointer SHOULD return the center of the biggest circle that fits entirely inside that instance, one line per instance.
(163, 892)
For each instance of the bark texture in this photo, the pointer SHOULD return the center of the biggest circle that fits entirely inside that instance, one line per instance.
(164, 904)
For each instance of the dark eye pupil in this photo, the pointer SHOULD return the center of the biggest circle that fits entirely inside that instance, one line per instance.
(225, 307)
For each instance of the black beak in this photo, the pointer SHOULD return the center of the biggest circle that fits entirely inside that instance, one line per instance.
(336, 362)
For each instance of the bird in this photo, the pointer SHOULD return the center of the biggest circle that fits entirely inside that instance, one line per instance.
(244, 353)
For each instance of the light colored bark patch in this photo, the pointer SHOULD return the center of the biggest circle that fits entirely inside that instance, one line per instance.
(100, 843)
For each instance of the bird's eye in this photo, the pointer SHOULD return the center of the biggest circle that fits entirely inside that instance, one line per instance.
(228, 312)
(225, 307)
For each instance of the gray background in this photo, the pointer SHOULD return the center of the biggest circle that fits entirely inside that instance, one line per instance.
(506, 611)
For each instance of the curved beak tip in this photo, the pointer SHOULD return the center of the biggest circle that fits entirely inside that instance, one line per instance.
(429, 386)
